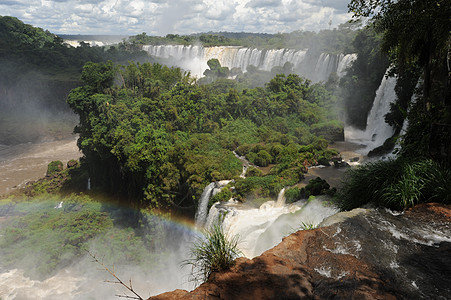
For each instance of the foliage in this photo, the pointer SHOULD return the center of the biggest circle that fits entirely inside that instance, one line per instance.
(253, 171)
(31, 47)
(307, 226)
(216, 71)
(54, 167)
(258, 187)
(416, 37)
(224, 195)
(215, 252)
(316, 187)
(60, 230)
(396, 184)
(293, 194)
(58, 180)
(55, 235)
(154, 136)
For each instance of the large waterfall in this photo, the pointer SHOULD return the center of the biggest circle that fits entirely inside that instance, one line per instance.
(194, 58)
(377, 130)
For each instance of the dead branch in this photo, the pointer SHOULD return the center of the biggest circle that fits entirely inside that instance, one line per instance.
(119, 281)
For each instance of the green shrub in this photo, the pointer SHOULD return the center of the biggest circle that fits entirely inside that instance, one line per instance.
(213, 253)
(253, 171)
(317, 187)
(396, 184)
(258, 187)
(263, 158)
(54, 167)
(251, 156)
(243, 149)
(331, 130)
(292, 195)
(224, 195)
(216, 176)
(292, 175)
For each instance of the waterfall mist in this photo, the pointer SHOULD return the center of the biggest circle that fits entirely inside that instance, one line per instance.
(121, 248)
(262, 228)
(33, 106)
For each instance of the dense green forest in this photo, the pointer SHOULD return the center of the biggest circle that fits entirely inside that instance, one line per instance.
(37, 71)
(25, 47)
(151, 134)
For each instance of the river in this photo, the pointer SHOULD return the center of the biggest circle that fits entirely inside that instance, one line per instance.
(22, 163)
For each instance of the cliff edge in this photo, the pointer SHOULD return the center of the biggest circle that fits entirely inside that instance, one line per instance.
(373, 254)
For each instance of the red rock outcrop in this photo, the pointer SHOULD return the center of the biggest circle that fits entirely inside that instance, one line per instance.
(308, 265)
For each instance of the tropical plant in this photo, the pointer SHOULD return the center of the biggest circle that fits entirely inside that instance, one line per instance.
(307, 226)
(213, 252)
(396, 184)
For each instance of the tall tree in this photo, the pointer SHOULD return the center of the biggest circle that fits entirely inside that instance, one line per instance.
(417, 33)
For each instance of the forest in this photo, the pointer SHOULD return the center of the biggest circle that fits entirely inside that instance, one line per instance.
(151, 134)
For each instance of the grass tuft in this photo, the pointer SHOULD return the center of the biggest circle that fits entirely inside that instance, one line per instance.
(215, 252)
(396, 184)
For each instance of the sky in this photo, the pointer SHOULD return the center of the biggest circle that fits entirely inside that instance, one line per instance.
(160, 17)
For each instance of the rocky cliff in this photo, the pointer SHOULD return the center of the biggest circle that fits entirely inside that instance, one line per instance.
(365, 254)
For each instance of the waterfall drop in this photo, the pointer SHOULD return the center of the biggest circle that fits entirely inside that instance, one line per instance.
(377, 130)
(281, 198)
(208, 192)
(260, 229)
(316, 67)
(201, 213)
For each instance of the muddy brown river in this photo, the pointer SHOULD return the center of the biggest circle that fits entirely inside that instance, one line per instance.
(26, 162)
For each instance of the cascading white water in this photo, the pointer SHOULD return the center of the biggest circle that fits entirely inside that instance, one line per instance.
(194, 59)
(281, 198)
(344, 62)
(201, 213)
(260, 229)
(377, 130)
(246, 164)
(209, 191)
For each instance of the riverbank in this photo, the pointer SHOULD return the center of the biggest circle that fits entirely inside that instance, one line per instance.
(22, 163)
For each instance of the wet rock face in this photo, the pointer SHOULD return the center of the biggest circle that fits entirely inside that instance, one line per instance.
(373, 255)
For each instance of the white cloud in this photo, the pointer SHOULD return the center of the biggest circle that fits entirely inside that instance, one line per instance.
(161, 17)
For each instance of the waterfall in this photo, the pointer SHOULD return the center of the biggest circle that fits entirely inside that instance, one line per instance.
(377, 130)
(260, 229)
(201, 214)
(344, 62)
(194, 59)
(246, 164)
(208, 192)
(281, 198)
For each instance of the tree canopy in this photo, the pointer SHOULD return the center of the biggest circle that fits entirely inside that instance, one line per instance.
(416, 36)
(154, 136)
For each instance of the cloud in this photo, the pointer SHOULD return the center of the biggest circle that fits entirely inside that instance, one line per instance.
(263, 3)
(160, 17)
(340, 6)
(12, 2)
